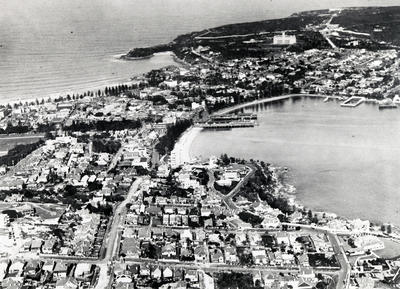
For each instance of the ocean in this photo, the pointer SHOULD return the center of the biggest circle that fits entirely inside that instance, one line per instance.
(341, 160)
(52, 47)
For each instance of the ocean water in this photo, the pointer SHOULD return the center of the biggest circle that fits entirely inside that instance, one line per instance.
(341, 160)
(49, 47)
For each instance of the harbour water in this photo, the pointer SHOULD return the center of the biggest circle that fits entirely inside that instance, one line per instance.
(49, 47)
(341, 160)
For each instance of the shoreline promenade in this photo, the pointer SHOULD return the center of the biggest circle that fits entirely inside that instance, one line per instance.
(269, 100)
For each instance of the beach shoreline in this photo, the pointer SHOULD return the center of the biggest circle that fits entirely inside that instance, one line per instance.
(91, 88)
(184, 143)
(270, 100)
(287, 189)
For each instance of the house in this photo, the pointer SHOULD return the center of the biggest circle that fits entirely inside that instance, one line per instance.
(65, 251)
(230, 254)
(16, 268)
(307, 275)
(3, 269)
(12, 283)
(168, 251)
(144, 271)
(36, 245)
(259, 257)
(216, 256)
(200, 253)
(48, 265)
(186, 254)
(240, 239)
(82, 270)
(200, 235)
(133, 269)
(207, 281)
(48, 246)
(303, 260)
(282, 238)
(156, 273)
(67, 283)
(154, 210)
(32, 268)
(168, 273)
(131, 248)
(27, 245)
(124, 285)
(304, 285)
(186, 235)
(255, 239)
(60, 270)
(208, 223)
(192, 276)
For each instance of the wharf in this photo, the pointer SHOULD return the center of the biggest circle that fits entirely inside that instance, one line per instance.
(234, 117)
(226, 125)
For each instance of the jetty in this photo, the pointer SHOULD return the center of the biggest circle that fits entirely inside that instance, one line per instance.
(234, 117)
(226, 125)
(353, 101)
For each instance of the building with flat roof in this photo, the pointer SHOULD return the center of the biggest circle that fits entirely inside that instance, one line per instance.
(284, 39)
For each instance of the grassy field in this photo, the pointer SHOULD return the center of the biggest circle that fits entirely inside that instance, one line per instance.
(382, 23)
(10, 141)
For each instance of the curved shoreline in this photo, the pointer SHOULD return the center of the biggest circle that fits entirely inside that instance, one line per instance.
(89, 87)
(269, 100)
(187, 143)
(182, 146)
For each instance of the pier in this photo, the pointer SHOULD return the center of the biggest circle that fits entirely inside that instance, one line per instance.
(226, 125)
(353, 101)
(234, 117)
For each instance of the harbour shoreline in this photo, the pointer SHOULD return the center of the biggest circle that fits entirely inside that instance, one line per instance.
(286, 189)
(184, 143)
(270, 100)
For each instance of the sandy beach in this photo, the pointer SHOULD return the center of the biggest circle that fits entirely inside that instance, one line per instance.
(182, 147)
(95, 83)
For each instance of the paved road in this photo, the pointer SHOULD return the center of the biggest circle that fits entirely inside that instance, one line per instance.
(215, 267)
(119, 217)
(29, 136)
(344, 275)
(113, 238)
(115, 159)
(227, 199)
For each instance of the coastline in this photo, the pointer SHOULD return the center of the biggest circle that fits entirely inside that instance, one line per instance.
(269, 100)
(125, 57)
(284, 188)
(53, 96)
(182, 146)
(81, 90)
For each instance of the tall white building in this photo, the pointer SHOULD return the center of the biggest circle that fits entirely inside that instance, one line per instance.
(284, 39)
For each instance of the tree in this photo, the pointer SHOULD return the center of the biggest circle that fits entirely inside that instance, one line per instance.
(70, 191)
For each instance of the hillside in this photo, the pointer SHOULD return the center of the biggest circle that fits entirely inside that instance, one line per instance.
(372, 28)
